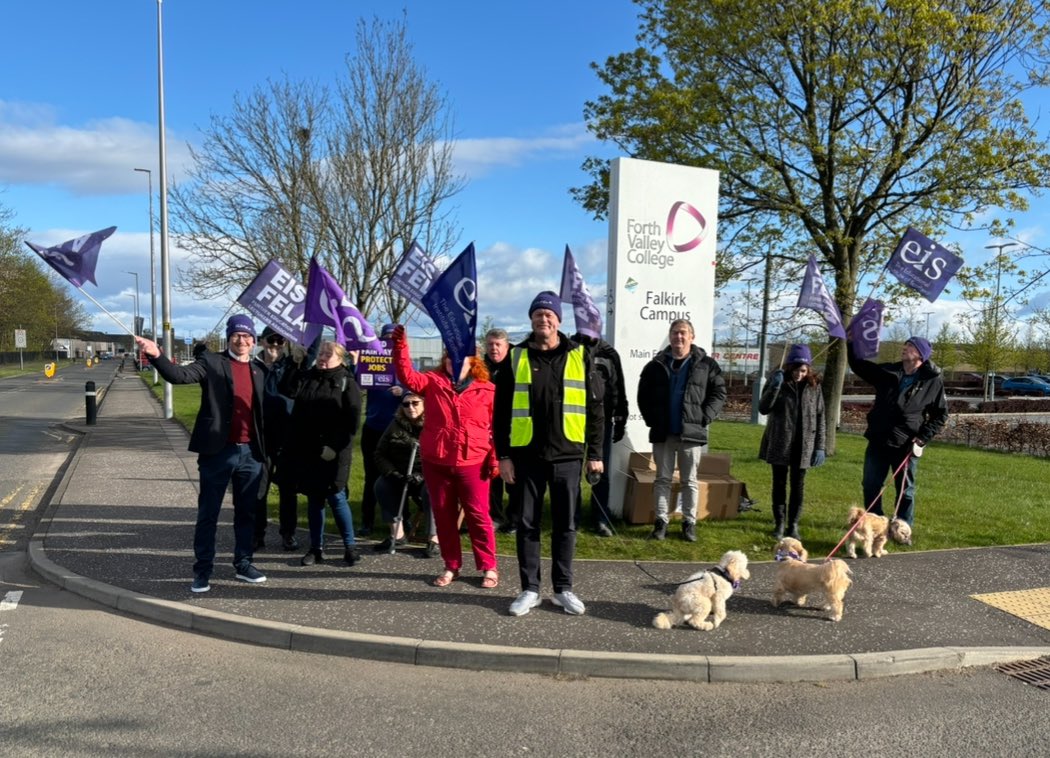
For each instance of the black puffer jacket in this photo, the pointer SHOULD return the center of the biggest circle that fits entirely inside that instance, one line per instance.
(705, 394)
(786, 405)
(395, 446)
(896, 419)
(326, 412)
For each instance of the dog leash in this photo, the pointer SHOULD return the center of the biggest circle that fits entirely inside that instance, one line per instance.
(871, 505)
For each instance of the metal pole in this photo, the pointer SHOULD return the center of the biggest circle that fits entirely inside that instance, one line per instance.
(165, 284)
(995, 317)
(152, 269)
(760, 382)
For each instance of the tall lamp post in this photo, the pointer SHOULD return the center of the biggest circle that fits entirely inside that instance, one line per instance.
(152, 268)
(135, 322)
(995, 317)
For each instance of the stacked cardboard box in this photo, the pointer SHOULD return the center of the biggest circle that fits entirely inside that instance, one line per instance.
(718, 496)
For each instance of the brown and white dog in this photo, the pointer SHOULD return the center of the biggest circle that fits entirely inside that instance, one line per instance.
(705, 592)
(796, 579)
(874, 531)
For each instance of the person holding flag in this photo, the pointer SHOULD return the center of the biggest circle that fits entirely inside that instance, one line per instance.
(909, 410)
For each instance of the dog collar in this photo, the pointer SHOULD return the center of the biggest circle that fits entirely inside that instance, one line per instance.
(782, 556)
(725, 575)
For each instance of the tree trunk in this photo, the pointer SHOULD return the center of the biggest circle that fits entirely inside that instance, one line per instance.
(834, 376)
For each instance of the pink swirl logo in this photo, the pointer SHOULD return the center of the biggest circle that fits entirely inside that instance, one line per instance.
(689, 210)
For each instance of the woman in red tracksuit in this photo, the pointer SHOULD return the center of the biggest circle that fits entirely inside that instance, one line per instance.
(459, 458)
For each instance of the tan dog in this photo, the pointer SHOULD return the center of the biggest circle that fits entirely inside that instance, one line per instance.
(704, 593)
(795, 579)
(873, 532)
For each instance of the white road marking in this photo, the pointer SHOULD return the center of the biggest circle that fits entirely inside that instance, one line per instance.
(10, 601)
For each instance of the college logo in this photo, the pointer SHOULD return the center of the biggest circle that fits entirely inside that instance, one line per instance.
(686, 229)
(630, 285)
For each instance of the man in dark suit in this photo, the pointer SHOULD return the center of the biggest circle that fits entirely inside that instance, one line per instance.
(228, 439)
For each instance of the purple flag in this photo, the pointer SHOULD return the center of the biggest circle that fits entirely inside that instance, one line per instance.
(864, 329)
(574, 290)
(414, 274)
(278, 299)
(452, 302)
(75, 259)
(327, 304)
(922, 264)
(815, 296)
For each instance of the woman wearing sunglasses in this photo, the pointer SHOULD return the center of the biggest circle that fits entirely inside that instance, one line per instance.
(459, 459)
(400, 478)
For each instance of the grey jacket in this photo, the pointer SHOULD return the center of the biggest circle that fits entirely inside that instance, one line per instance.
(786, 406)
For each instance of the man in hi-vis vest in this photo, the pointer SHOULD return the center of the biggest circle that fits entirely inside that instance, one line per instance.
(547, 422)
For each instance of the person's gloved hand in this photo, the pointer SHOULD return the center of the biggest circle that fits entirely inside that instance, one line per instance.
(327, 453)
(415, 484)
(818, 458)
(399, 336)
(776, 379)
(619, 429)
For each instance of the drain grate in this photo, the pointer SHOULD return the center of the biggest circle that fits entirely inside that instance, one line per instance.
(1035, 672)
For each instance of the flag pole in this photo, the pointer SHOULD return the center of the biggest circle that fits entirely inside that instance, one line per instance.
(103, 309)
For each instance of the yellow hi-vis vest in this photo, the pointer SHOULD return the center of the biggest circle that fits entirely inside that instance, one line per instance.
(574, 398)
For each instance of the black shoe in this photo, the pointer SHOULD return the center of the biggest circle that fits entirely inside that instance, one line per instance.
(659, 530)
(290, 543)
(312, 557)
(364, 531)
(508, 529)
(384, 546)
(603, 530)
(689, 531)
(351, 556)
(433, 550)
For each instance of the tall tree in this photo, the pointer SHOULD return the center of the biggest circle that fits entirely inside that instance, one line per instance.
(838, 122)
(351, 175)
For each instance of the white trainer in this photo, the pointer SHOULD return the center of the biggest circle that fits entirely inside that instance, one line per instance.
(524, 603)
(569, 603)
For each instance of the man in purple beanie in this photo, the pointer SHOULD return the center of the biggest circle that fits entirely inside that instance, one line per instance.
(228, 439)
(910, 408)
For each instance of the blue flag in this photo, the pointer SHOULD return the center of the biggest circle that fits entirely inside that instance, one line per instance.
(326, 303)
(452, 302)
(75, 259)
(922, 264)
(815, 296)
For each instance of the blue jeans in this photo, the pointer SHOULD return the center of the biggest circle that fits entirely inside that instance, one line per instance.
(235, 463)
(880, 460)
(343, 520)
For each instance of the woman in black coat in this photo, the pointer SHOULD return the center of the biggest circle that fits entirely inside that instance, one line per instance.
(795, 431)
(320, 442)
(396, 481)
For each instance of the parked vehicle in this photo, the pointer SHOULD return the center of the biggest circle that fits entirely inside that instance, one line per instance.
(1026, 385)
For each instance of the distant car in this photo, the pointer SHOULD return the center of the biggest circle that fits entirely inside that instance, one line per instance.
(1026, 385)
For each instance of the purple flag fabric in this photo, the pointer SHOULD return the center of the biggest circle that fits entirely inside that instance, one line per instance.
(278, 299)
(574, 290)
(922, 264)
(864, 329)
(414, 275)
(75, 259)
(327, 304)
(452, 302)
(815, 296)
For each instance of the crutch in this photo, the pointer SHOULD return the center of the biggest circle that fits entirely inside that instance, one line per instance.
(404, 496)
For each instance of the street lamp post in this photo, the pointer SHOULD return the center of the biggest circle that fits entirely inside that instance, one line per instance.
(165, 268)
(995, 316)
(135, 322)
(152, 269)
(928, 314)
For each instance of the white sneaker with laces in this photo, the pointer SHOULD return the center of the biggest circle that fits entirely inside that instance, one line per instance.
(524, 603)
(568, 602)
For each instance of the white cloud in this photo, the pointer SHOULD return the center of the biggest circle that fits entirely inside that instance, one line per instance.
(476, 157)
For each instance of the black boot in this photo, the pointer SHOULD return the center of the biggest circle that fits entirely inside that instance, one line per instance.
(778, 517)
(312, 556)
(793, 517)
(793, 531)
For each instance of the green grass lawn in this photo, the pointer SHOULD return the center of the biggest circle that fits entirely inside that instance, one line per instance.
(31, 367)
(964, 498)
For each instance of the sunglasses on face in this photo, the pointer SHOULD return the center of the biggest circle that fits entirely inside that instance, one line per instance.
(274, 339)
(411, 403)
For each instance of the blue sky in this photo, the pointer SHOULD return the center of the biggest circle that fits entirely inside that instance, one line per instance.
(81, 113)
(78, 112)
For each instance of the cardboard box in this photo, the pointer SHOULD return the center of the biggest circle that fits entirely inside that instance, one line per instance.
(715, 464)
(639, 501)
(641, 461)
(718, 497)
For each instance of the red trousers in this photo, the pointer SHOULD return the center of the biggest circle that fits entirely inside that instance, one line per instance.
(453, 487)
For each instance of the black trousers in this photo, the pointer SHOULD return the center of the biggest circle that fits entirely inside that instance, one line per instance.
(533, 477)
(369, 443)
(798, 491)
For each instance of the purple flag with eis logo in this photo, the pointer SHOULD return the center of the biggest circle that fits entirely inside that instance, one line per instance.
(327, 304)
(922, 264)
(574, 290)
(452, 302)
(414, 274)
(75, 259)
(815, 296)
(278, 299)
(864, 329)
